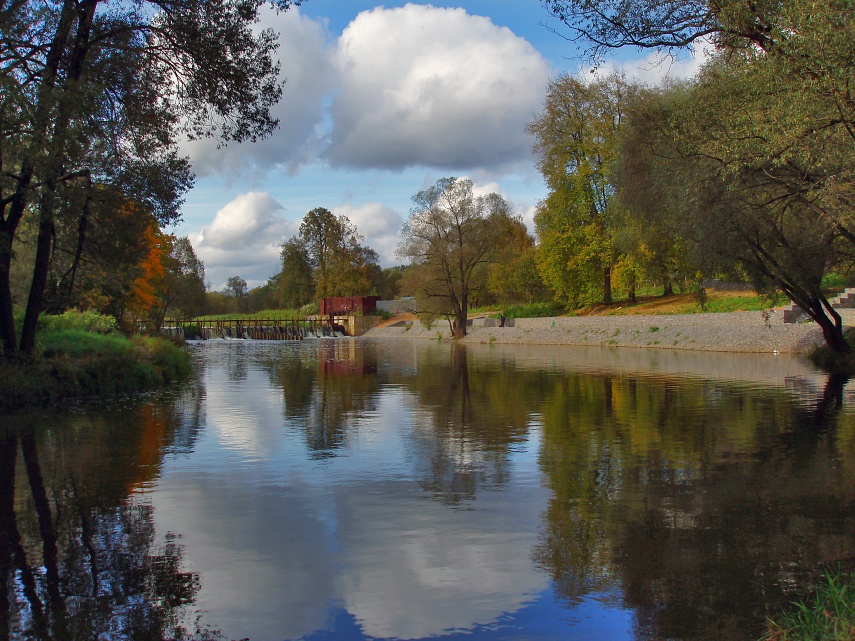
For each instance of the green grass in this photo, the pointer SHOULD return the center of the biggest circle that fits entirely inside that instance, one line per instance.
(535, 310)
(80, 355)
(827, 615)
(749, 303)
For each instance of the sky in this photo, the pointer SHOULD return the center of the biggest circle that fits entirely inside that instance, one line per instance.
(380, 102)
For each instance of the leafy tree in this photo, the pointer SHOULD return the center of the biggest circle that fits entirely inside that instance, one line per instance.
(514, 278)
(182, 290)
(769, 126)
(236, 289)
(295, 282)
(389, 287)
(576, 138)
(144, 298)
(651, 179)
(331, 245)
(100, 94)
(449, 236)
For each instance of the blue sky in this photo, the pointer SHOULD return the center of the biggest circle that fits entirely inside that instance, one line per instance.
(380, 102)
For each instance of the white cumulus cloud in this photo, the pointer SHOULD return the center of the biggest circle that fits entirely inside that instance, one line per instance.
(421, 85)
(243, 239)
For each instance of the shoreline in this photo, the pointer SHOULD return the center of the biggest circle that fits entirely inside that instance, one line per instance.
(741, 332)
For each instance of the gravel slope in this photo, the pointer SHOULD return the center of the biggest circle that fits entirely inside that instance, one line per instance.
(749, 332)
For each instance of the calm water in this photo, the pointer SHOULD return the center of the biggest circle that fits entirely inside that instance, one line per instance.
(346, 489)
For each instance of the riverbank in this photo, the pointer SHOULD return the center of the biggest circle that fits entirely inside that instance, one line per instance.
(91, 365)
(745, 332)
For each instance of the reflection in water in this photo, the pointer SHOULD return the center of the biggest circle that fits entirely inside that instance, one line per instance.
(79, 558)
(368, 490)
(702, 513)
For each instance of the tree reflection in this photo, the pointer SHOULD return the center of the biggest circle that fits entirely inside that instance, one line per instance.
(472, 415)
(327, 390)
(707, 505)
(79, 559)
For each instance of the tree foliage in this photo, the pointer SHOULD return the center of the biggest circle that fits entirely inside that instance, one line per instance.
(450, 235)
(760, 146)
(576, 138)
(331, 247)
(96, 94)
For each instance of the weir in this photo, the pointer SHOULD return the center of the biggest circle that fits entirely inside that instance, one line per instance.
(257, 328)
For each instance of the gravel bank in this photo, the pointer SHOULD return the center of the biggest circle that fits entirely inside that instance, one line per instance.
(747, 332)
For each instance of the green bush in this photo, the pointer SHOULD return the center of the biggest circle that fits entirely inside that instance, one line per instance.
(828, 615)
(73, 319)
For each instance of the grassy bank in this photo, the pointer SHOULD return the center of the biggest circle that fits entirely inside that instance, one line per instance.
(828, 615)
(82, 354)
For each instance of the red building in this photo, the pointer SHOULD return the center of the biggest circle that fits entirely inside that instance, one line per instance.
(347, 305)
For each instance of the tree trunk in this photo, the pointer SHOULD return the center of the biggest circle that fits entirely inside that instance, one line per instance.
(668, 287)
(607, 285)
(7, 318)
(40, 275)
(459, 325)
(831, 324)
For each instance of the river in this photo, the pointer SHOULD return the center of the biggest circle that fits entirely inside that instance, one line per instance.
(362, 489)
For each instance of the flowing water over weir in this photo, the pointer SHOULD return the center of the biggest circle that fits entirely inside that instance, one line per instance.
(255, 329)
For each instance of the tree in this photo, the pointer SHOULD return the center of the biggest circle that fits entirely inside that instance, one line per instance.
(182, 287)
(449, 235)
(100, 94)
(340, 264)
(295, 282)
(651, 182)
(514, 277)
(664, 24)
(236, 289)
(576, 138)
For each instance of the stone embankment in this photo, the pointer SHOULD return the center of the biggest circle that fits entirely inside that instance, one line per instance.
(748, 332)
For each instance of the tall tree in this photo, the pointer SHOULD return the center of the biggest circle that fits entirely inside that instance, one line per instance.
(576, 138)
(98, 93)
(236, 289)
(341, 265)
(295, 282)
(449, 235)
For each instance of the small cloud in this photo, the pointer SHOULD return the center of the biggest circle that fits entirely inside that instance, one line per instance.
(658, 66)
(380, 225)
(244, 239)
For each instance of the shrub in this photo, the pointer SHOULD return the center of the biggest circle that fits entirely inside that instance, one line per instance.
(74, 319)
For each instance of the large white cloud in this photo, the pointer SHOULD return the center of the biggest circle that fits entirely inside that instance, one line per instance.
(421, 85)
(243, 239)
(306, 58)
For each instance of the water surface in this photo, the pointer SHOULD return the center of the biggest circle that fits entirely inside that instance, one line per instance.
(356, 489)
